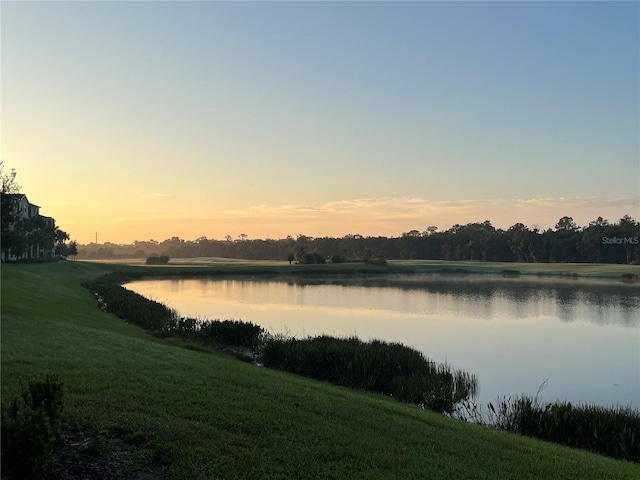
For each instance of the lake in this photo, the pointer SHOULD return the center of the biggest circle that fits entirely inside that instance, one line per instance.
(513, 333)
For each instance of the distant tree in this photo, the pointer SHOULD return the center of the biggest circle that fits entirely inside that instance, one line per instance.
(566, 224)
(591, 246)
(73, 249)
(564, 242)
(629, 230)
(291, 257)
(518, 239)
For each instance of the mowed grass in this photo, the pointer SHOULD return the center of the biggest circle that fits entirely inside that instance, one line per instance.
(596, 270)
(209, 416)
(551, 269)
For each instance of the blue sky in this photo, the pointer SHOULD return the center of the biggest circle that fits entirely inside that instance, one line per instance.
(153, 119)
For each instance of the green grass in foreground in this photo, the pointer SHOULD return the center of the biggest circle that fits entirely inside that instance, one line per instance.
(209, 416)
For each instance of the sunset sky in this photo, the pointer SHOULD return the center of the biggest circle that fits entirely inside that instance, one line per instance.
(147, 120)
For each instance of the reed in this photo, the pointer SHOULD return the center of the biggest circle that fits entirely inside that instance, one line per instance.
(611, 431)
(389, 368)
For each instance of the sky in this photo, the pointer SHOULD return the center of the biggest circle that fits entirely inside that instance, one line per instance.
(147, 120)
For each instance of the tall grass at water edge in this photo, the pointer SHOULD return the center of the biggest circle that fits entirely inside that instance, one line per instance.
(389, 368)
(611, 431)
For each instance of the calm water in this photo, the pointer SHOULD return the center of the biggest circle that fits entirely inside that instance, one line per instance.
(583, 335)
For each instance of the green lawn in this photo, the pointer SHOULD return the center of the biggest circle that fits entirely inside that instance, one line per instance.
(551, 269)
(417, 266)
(210, 416)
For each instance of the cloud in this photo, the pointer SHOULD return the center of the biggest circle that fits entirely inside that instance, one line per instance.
(156, 195)
(413, 206)
(420, 212)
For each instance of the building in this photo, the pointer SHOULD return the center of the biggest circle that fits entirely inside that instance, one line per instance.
(26, 235)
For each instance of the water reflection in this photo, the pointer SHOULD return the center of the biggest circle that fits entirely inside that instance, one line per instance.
(512, 333)
(606, 302)
(602, 303)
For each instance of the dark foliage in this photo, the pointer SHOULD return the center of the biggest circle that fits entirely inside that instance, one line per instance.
(129, 306)
(159, 319)
(614, 432)
(600, 242)
(30, 426)
(389, 368)
(610, 431)
(216, 332)
(157, 260)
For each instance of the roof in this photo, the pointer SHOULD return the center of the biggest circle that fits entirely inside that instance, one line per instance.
(20, 196)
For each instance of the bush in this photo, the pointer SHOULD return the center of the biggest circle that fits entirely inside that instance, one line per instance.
(389, 368)
(159, 319)
(129, 306)
(311, 258)
(155, 260)
(226, 332)
(336, 259)
(30, 426)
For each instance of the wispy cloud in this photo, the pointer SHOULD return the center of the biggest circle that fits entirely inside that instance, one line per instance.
(415, 207)
(149, 195)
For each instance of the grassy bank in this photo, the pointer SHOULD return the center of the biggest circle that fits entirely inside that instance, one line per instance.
(203, 415)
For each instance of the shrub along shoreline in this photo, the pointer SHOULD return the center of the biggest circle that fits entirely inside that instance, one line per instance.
(392, 369)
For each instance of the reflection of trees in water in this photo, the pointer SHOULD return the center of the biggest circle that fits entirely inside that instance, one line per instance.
(607, 302)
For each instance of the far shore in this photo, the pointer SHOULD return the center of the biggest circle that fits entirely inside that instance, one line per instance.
(508, 269)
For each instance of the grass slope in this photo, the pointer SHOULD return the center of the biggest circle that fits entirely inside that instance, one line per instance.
(209, 416)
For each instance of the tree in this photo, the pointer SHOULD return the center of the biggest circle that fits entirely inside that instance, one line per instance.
(564, 242)
(9, 236)
(73, 248)
(518, 240)
(8, 179)
(566, 224)
(60, 237)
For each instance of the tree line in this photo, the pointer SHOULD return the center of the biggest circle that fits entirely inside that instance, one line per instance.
(598, 242)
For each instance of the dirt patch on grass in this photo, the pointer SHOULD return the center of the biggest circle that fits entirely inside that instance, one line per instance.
(78, 456)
